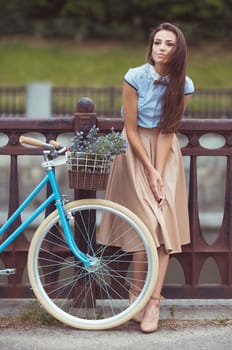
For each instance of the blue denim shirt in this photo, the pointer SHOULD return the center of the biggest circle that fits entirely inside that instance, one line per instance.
(149, 94)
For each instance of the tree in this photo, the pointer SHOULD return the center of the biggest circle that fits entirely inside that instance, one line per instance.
(120, 19)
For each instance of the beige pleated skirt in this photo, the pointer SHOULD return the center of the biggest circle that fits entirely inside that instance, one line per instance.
(128, 185)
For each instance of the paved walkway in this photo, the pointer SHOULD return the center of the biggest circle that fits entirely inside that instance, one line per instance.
(185, 324)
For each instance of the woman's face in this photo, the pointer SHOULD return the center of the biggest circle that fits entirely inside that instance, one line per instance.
(163, 45)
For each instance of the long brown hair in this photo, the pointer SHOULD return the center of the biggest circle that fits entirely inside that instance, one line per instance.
(173, 98)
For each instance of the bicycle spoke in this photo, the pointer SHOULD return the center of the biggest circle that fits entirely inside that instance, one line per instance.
(94, 297)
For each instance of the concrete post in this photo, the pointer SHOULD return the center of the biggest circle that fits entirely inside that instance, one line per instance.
(39, 100)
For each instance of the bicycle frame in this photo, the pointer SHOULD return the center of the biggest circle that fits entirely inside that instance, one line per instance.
(54, 197)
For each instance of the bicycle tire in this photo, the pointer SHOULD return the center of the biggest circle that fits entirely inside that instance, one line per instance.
(80, 297)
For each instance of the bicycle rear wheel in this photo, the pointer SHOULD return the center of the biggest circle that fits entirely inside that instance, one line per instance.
(93, 297)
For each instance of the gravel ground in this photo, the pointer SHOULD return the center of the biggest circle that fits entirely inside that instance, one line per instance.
(185, 324)
(189, 337)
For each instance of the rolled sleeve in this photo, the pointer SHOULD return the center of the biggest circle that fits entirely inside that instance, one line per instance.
(189, 86)
(132, 78)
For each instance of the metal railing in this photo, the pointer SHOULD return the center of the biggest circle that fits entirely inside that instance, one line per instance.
(205, 103)
(194, 256)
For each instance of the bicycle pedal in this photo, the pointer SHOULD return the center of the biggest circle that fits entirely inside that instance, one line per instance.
(8, 271)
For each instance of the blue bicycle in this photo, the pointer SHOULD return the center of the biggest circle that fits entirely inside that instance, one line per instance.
(82, 283)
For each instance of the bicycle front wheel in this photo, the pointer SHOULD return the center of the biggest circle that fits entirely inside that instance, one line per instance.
(94, 297)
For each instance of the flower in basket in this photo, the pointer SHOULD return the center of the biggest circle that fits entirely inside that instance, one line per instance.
(93, 153)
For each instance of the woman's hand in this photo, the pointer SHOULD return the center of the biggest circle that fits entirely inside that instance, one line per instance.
(156, 184)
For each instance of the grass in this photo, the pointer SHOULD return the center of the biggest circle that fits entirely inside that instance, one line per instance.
(65, 63)
(36, 314)
(32, 320)
(99, 64)
(210, 65)
(172, 310)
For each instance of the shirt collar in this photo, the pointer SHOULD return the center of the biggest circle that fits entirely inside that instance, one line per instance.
(157, 77)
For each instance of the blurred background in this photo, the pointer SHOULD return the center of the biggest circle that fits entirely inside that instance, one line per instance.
(109, 19)
(84, 47)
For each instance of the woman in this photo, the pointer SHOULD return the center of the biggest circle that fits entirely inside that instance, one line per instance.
(151, 175)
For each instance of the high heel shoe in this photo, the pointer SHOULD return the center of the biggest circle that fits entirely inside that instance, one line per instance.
(132, 297)
(150, 320)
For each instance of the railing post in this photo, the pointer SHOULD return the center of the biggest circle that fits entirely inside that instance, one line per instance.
(16, 254)
(85, 117)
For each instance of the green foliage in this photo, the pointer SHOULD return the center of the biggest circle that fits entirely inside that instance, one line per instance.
(131, 19)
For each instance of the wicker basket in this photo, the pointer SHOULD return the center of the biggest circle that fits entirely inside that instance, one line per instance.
(88, 171)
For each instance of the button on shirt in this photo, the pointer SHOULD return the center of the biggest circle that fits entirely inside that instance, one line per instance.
(143, 79)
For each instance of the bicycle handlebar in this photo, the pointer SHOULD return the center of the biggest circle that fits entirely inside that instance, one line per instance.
(55, 144)
(31, 141)
(52, 145)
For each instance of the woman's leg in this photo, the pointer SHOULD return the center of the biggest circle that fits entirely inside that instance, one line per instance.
(139, 274)
(163, 265)
(151, 316)
(139, 271)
